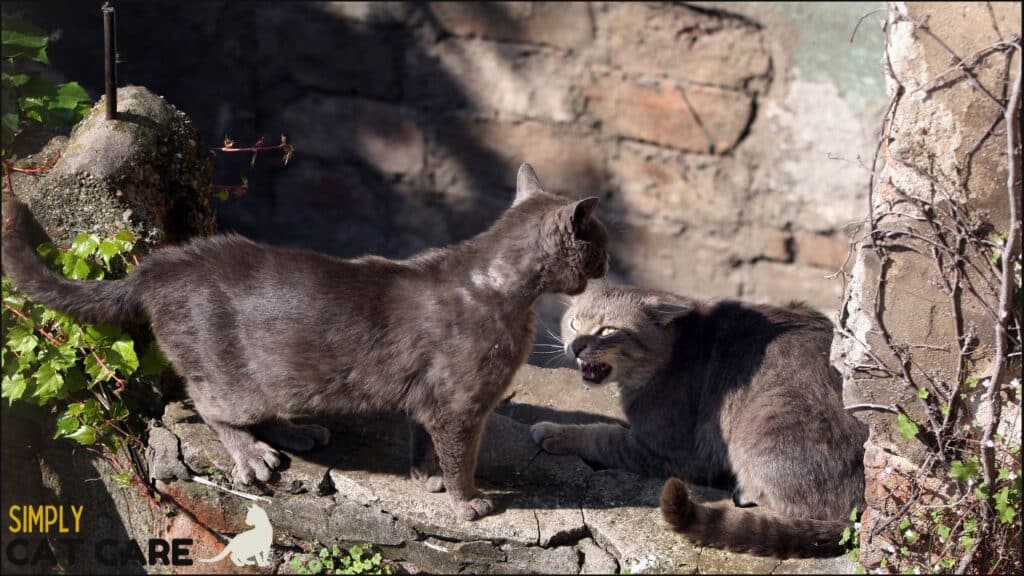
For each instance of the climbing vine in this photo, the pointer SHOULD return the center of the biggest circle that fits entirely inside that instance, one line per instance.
(78, 372)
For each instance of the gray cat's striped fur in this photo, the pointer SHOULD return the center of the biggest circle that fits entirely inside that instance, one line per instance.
(260, 332)
(721, 388)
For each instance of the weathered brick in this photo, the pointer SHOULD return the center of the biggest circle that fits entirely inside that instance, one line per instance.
(487, 153)
(694, 263)
(778, 283)
(823, 250)
(384, 136)
(691, 118)
(562, 24)
(652, 184)
(761, 243)
(667, 186)
(496, 80)
(677, 41)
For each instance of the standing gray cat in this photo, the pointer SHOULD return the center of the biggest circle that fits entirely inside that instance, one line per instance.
(721, 388)
(259, 332)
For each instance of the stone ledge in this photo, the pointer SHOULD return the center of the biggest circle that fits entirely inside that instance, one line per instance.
(555, 513)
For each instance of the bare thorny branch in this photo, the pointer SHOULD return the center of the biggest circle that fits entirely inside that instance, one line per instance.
(1011, 252)
(941, 229)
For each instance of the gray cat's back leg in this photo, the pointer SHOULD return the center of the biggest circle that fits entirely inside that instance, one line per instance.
(424, 466)
(232, 420)
(295, 437)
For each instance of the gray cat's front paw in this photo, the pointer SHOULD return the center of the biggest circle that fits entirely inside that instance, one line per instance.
(257, 460)
(474, 508)
(553, 438)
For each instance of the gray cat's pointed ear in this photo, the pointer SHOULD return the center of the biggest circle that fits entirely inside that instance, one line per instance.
(527, 183)
(665, 310)
(575, 214)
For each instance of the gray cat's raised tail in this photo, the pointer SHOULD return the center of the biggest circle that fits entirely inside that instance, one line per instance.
(750, 532)
(96, 301)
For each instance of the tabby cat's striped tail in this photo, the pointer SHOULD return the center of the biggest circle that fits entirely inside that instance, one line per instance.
(745, 531)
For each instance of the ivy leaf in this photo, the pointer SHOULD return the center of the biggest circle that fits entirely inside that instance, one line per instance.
(126, 238)
(101, 335)
(108, 249)
(963, 472)
(1007, 513)
(48, 383)
(81, 270)
(125, 361)
(70, 95)
(85, 245)
(66, 424)
(96, 371)
(20, 38)
(14, 387)
(22, 340)
(85, 435)
(908, 429)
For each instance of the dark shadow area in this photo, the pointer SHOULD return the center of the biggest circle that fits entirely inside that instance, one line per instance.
(237, 70)
(40, 471)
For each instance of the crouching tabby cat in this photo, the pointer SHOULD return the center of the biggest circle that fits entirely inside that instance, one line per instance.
(259, 332)
(721, 388)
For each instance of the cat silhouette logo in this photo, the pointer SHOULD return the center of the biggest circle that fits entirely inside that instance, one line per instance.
(252, 546)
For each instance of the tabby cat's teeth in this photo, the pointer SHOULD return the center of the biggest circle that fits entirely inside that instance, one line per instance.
(595, 372)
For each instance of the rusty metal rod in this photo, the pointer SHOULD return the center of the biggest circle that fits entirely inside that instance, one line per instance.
(110, 55)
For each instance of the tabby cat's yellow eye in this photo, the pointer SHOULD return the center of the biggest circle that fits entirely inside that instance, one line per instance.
(608, 331)
(575, 324)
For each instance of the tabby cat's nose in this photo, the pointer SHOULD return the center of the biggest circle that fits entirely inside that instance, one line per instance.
(578, 346)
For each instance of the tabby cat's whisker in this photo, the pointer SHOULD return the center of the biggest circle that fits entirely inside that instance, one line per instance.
(550, 333)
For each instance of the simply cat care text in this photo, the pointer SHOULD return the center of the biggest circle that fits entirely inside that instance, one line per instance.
(39, 539)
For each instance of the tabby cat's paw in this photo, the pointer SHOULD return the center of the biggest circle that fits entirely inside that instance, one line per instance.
(474, 508)
(429, 481)
(553, 438)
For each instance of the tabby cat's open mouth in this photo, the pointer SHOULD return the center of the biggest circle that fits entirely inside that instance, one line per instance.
(595, 372)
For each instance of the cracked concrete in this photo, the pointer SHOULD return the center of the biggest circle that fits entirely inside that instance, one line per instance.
(555, 514)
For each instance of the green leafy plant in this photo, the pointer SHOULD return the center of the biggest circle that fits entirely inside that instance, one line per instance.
(26, 96)
(358, 559)
(73, 369)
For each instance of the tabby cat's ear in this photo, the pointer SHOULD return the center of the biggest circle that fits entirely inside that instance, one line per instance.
(574, 215)
(664, 310)
(527, 184)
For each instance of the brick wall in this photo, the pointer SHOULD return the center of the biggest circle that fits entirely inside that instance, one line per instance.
(705, 129)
